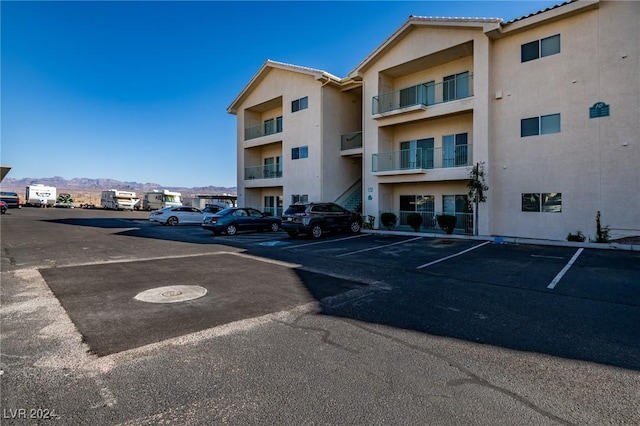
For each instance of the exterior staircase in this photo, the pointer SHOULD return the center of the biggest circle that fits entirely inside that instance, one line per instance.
(351, 199)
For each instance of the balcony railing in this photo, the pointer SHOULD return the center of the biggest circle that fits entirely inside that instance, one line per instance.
(270, 171)
(425, 94)
(269, 127)
(351, 140)
(423, 158)
(464, 221)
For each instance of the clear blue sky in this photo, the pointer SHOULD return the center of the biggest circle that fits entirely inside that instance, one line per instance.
(138, 91)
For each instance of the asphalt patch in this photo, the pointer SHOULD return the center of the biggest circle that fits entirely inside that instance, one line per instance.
(99, 299)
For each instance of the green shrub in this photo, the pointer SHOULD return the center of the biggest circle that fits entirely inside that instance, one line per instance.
(447, 222)
(388, 220)
(578, 236)
(414, 220)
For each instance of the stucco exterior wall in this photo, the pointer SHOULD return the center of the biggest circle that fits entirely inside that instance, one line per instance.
(587, 161)
(381, 135)
(341, 114)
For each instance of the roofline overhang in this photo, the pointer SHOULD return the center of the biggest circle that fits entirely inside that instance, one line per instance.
(555, 13)
(322, 76)
(483, 24)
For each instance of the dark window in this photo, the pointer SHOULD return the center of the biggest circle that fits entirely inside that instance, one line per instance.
(300, 104)
(530, 202)
(540, 48)
(543, 125)
(299, 152)
(530, 51)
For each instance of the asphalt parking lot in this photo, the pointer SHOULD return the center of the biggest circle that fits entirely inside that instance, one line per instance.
(497, 333)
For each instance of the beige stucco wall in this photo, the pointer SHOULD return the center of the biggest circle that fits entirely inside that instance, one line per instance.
(341, 114)
(385, 134)
(588, 161)
(299, 129)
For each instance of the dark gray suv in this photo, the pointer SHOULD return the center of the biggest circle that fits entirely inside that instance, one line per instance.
(317, 218)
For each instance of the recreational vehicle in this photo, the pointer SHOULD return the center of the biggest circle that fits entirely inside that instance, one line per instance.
(119, 200)
(159, 199)
(38, 195)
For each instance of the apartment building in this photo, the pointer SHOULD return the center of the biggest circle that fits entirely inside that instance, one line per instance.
(292, 124)
(549, 103)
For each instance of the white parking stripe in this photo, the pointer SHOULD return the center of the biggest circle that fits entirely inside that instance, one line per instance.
(453, 255)
(325, 241)
(564, 270)
(379, 247)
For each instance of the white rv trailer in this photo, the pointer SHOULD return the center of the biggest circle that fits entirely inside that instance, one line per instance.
(115, 199)
(159, 199)
(37, 195)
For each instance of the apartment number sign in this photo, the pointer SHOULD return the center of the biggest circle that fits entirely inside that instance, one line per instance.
(599, 109)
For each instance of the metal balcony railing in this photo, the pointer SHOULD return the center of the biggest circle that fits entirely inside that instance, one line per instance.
(262, 172)
(423, 158)
(425, 94)
(351, 140)
(464, 221)
(269, 127)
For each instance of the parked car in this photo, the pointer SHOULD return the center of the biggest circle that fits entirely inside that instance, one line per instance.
(317, 218)
(177, 215)
(3, 207)
(212, 209)
(11, 199)
(235, 219)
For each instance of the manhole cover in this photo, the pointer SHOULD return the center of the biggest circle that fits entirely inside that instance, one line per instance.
(171, 294)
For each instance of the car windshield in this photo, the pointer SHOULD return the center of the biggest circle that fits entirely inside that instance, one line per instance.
(296, 209)
(225, 212)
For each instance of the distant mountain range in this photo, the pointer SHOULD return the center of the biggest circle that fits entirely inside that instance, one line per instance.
(87, 184)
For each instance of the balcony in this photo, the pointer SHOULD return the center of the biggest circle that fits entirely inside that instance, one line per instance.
(424, 95)
(270, 171)
(269, 127)
(351, 140)
(419, 160)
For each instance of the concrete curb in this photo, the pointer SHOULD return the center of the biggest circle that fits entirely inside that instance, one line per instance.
(511, 240)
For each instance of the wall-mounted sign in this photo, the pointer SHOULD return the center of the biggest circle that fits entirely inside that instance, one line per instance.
(599, 109)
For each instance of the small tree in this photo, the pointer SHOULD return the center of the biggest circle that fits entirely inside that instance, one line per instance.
(388, 220)
(477, 188)
(602, 232)
(414, 220)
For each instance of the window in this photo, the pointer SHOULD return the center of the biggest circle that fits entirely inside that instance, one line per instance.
(455, 87)
(416, 154)
(299, 199)
(272, 125)
(540, 48)
(300, 104)
(272, 167)
(299, 152)
(455, 150)
(550, 202)
(543, 125)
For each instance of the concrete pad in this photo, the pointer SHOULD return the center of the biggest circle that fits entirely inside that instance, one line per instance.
(100, 299)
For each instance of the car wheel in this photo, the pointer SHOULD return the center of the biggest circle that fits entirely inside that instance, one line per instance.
(172, 221)
(316, 231)
(292, 234)
(275, 227)
(232, 230)
(355, 227)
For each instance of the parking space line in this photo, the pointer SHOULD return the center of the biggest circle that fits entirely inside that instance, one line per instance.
(379, 247)
(453, 255)
(564, 270)
(326, 241)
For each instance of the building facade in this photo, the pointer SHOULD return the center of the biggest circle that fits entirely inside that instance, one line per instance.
(549, 104)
